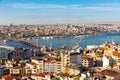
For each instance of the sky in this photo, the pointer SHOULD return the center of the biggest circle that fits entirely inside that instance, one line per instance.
(59, 11)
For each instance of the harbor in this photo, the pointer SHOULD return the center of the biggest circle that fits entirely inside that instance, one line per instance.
(68, 41)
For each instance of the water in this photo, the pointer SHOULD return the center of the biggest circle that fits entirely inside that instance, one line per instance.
(89, 40)
(69, 42)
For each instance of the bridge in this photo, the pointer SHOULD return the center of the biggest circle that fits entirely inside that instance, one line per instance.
(7, 47)
(28, 42)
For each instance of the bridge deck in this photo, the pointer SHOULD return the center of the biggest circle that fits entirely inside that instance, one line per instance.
(29, 43)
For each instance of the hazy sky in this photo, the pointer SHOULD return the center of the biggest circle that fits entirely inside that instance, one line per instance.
(59, 11)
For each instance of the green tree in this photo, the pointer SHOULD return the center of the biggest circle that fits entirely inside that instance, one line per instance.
(55, 78)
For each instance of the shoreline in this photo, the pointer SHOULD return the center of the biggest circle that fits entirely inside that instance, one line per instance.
(46, 37)
(89, 39)
(51, 37)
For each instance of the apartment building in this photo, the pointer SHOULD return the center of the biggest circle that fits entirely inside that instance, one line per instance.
(87, 61)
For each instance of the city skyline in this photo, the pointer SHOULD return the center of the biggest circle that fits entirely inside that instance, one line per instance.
(54, 11)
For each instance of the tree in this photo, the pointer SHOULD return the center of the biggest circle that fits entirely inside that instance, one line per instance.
(55, 78)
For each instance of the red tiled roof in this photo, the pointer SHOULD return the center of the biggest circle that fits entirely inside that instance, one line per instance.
(32, 63)
(98, 75)
(17, 57)
(115, 53)
(37, 58)
(105, 72)
(58, 59)
(49, 61)
(86, 57)
(26, 75)
(7, 77)
(40, 75)
(4, 66)
(18, 67)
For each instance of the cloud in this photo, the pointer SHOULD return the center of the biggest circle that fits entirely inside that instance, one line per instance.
(71, 6)
(44, 6)
(22, 5)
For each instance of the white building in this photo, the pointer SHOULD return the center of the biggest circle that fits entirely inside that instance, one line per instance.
(105, 62)
(40, 77)
(48, 66)
(92, 46)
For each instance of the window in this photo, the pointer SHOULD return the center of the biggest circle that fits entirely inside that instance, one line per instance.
(34, 70)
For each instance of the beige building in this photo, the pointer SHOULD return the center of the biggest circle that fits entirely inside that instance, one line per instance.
(87, 61)
(70, 58)
(57, 67)
(36, 66)
(17, 70)
(39, 63)
(65, 59)
(53, 65)
(46, 65)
